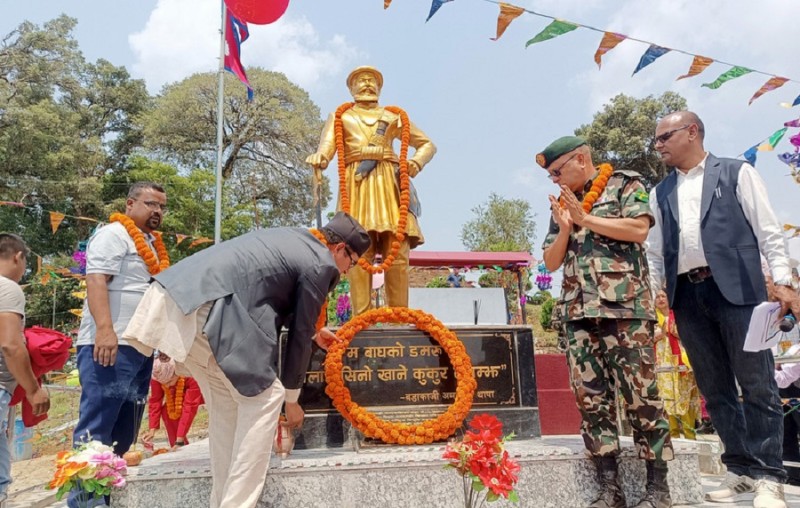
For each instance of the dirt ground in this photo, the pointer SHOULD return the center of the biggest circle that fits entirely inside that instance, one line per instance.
(38, 471)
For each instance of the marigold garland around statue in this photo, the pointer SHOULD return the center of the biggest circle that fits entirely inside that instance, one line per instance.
(154, 264)
(405, 193)
(371, 425)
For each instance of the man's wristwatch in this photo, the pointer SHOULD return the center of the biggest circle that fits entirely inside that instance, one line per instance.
(784, 282)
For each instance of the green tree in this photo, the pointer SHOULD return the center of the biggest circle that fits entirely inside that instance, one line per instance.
(546, 316)
(64, 123)
(623, 133)
(265, 141)
(500, 225)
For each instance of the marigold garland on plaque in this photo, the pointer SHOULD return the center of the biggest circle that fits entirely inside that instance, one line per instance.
(436, 429)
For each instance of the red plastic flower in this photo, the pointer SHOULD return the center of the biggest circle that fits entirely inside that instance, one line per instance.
(486, 428)
(481, 458)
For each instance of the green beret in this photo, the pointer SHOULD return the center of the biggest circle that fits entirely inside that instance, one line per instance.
(558, 148)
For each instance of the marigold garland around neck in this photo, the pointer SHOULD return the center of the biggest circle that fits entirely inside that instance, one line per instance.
(405, 193)
(175, 403)
(598, 186)
(436, 429)
(154, 264)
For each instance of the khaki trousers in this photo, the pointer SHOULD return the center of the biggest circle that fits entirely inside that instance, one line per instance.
(396, 277)
(241, 430)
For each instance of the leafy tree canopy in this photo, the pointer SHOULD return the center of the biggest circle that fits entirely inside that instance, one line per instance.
(623, 133)
(265, 141)
(500, 225)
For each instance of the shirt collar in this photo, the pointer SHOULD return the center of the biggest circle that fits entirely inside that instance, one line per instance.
(695, 170)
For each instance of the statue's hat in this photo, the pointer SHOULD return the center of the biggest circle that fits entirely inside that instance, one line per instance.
(365, 68)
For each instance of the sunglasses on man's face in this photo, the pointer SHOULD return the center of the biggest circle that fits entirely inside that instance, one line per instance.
(663, 138)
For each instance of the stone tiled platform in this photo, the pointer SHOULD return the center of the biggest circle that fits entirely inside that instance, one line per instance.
(555, 474)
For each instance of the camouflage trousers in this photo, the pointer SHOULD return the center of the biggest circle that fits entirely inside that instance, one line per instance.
(607, 356)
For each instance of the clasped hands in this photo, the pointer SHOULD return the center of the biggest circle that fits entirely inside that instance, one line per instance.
(571, 212)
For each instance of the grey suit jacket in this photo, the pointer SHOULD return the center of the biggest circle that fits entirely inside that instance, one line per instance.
(258, 282)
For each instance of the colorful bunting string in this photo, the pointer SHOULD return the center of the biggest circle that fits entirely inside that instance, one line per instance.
(769, 144)
(56, 218)
(699, 64)
(610, 40)
(607, 43)
(552, 31)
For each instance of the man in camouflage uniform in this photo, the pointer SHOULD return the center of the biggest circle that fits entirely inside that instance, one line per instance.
(607, 312)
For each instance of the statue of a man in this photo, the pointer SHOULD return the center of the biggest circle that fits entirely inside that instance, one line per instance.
(373, 186)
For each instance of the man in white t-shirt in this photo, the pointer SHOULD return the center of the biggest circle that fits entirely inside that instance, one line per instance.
(114, 376)
(15, 364)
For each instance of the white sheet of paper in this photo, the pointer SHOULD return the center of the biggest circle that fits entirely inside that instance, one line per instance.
(763, 332)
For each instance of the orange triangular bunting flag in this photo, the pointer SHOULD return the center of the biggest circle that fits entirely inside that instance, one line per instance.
(508, 13)
(200, 241)
(55, 220)
(179, 238)
(773, 83)
(387, 3)
(607, 43)
(699, 64)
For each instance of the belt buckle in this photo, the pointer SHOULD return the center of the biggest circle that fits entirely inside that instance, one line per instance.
(698, 275)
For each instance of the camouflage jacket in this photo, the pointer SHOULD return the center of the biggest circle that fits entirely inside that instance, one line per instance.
(605, 278)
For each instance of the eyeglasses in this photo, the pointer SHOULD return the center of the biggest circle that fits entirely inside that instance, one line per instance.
(557, 172)
(663, 138)
(154, 205)
(353, 262)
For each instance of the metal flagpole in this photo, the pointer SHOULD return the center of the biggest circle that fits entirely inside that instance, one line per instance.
(220, 113)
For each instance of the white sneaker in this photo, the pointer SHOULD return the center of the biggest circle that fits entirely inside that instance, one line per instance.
(731, 488)
(769, 494)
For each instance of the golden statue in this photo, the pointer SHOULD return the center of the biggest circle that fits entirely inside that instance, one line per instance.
(374, 184)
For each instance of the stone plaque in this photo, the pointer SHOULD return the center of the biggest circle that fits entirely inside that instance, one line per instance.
(400, 366)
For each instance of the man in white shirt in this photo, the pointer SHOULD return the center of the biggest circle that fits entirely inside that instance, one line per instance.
(120, 260)
(713, 222)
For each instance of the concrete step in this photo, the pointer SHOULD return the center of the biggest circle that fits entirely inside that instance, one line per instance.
(32, 497)
(555, 474)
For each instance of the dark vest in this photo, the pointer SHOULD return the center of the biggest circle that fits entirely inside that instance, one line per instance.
(729, 244)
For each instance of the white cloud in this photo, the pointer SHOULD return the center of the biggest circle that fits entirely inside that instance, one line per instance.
(181, 37)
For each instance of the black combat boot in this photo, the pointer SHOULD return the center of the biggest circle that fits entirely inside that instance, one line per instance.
(657, 494)
(611, 495)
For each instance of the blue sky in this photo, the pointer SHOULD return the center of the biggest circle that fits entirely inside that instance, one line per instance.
(488, 106)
